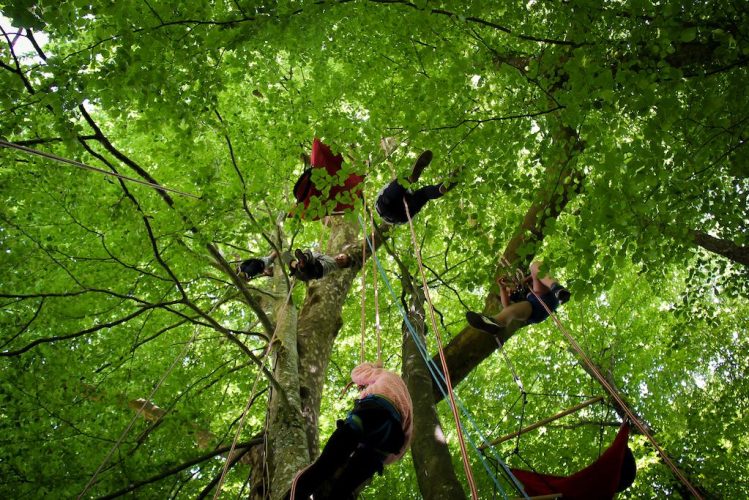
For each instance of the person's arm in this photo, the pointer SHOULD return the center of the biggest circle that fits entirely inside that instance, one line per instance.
(366, 374)
(504, 295)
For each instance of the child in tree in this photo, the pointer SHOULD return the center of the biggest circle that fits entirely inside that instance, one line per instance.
(521, 304)
(389, 202)
(310, 265)
(376, 432)
(253, 267)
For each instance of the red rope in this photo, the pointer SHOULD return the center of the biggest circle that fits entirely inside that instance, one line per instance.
(363, 285)
(453, 406)
(614, 394)
(376, 299)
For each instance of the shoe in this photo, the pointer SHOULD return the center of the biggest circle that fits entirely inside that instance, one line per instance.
(420, 164)
(483, 323)
(301, 258)
(562, 294)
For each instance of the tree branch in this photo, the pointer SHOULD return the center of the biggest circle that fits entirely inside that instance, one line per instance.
(181, 467)
(470, 347)
(87, 331)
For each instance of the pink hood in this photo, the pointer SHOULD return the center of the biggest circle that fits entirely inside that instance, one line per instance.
(380, 382)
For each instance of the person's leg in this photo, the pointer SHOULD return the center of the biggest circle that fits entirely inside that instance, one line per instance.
(303, 268)
(451, 181)
(326, 263)
(250, 268)
(547, 284)
(363, 465)
(518, 311)
(421, 196)
(541, 286)
(421, 162)
(381, 435)
(539, 305)
(336, 453)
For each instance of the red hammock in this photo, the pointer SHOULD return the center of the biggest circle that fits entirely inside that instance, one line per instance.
(305, 189)
(613, 471)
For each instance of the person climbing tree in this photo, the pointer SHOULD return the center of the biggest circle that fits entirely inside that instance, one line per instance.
(250, 268)
(376, 432)
(389, 204)
(519, 304)
(341, 195)
(311, 265)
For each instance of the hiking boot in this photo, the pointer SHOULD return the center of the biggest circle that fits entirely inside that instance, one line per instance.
(420, 164)
(300, 258)
(562, 294)
(483, 323)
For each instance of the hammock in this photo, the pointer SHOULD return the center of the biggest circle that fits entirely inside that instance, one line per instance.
(305, 190)
(614, 471)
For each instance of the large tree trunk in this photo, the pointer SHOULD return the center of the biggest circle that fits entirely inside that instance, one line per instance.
(258, 472)
(431, 455)
(319, 323)
(287, 439)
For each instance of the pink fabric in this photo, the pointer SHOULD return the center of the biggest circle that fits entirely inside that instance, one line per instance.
(381, 382)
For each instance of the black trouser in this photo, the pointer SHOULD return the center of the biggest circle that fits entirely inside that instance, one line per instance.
(252, 267)
(390, 202)
(356, 452)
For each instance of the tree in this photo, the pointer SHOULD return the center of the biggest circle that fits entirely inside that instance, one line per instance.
(606, 139)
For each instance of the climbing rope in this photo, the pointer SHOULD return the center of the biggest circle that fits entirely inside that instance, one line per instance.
(83, 166)
(363, 288)
(510, 365)
(614, 394)
(439, 379)
(453, 406)
(378, 327)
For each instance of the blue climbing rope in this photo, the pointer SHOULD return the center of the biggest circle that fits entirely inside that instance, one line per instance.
(439, 379)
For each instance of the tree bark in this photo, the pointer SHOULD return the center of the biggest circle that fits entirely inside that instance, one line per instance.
(258, 472)
(726, 248)
(470, 347)
(287, 439)
(431, 455)
(319, 323)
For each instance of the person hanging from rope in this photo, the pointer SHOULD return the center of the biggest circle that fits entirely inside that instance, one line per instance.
(250, 268)
(375, 433)
(389, 204)
(312, 265)
(520, 304)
